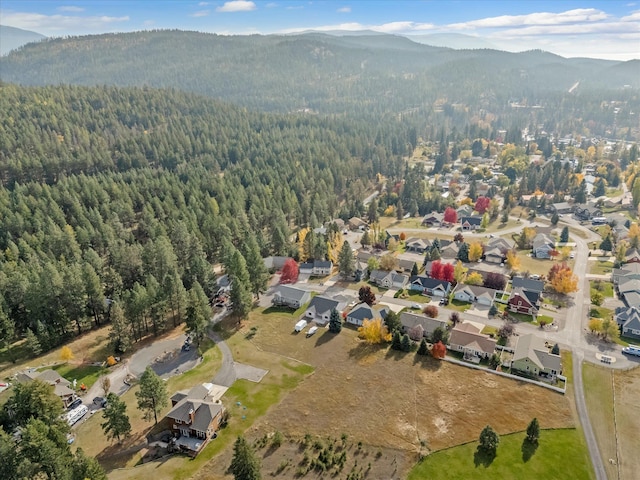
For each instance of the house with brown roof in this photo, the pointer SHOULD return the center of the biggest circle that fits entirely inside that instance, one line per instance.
(195, 417)
(533, 357)
(410, 320)
(467, 338)
(524, 301)
(50, 377)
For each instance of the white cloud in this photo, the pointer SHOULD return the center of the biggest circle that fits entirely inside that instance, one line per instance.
(539, 18)
(392, 27)
(61, 24)
(70, 8)
(237, 6)
(200, 13)
(344, 10)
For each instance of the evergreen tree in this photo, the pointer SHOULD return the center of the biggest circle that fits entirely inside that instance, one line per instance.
(414, 270)
(258, 273)
(245, 465)
(533, 431)
(423, 349)
(555, 218)
(152, 396)
(505, 216)
(406, 343)
(198, 313)
(346, 261)
(580, 195)
(84, 467)
(556, 349)
(117, 421)
(120, 332)
(335, 322)
(564, 235)
(463, 252)
(489, 440)
(606, 244)
(33, 343)
(600, 190)
(241, 297)
(396, 340)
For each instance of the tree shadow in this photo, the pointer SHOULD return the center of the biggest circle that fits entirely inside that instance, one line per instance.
(427, 362)
(363, 350)
(483, 457)
(528, 449)
(327, 336)
(395, 354)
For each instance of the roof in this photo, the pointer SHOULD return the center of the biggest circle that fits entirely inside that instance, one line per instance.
(418, 242)
(624, 314)
(410, 320)
(203, 413)
(528, 295)
(562, 206)
(528, 284)
(631, 298)
(275, 262)
(52, 377)
(480, 291)
(628, 285)
(494, 252)
(471, 220)
(533, 347)
(364, 311)
(321, 305)
(294, 293)
(430, 283)
(433, 215)
(541, 240)
(467, 335)
(500, 242)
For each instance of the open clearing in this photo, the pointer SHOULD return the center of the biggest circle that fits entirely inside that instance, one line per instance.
(386, 399)
(560, 454)
(615, 418)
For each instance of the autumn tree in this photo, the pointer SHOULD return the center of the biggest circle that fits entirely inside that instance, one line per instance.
(484, 223)
(513, 262)
(152, 396)
(506, 330)
(388, 262)
(431, 311)
(365, 295)
(562, 279)
(494, 280)
(482, 204)
(289, 272)
(525, 239)
(475, 251)
(438, 350)
(374, 331)
(474, 278)
(597, 298)
(66, 354)
(416, 333)
(634, 233)
(458, 238)
(436, 270)
(459, 272)
(454, 318)
(447, 272)
(450, 215)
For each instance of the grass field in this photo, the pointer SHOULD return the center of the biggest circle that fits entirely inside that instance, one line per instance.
(560, 454)
(599, 267)
(84, 374)
(604, 287)
(534, 265)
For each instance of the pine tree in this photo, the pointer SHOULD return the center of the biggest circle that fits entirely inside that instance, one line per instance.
(335, 322)
(489, 440)
(533, 431)
(423, 349)
(258, 273)
(396, 341)
(463, 252)
(117, 421)
(555, 218)
(346, 262)
(406, 343)
(120, 332)
(33, 344)
(152, 396)
(198, 313)
(606, 244)
(564, 235)
(244, 464)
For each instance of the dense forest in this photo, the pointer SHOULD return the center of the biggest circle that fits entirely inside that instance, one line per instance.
(372, 76)
(133, 194)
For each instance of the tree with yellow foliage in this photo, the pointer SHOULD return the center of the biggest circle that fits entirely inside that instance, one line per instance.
(513, 262)
(66, 354)
(474, 278)
(374, 331)
(565, 253)
(475, 251)
(595, 325)
(459, 271)
(302, 251)
(564, 281)
(634, 235)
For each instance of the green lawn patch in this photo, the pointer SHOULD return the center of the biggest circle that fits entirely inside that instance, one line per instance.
(87, 374)
(560, 454)
(600, 267)
(626, 341)
(489, 330)
(211, 361)
(521, 317)
(600, 312)
(459, 306)
(604, 287)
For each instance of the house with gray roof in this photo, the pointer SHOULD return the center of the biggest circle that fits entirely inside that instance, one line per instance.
(630, 270)
(417, 245)
(60, 385)
(362, 312)
(561, 208)
(628, 320)
(429, 286)
(316, 268)
(386, 279)
(194, 418)
(501, 243)
(288, 296)
(542, 246)
(450, 250)
(474, 294)
(528, 284)
(532, 356)
(494, 255)
(433, 219)
(320, 308)
(410, 320)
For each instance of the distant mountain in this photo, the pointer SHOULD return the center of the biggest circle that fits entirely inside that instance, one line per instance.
(12, 38)
(457, 41)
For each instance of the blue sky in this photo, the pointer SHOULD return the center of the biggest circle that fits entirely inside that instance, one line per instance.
(600, 29)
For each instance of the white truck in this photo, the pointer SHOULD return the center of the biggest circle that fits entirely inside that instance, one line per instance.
(300, 325)
(74, 416)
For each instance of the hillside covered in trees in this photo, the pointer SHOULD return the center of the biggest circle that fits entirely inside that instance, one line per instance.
(131, 194)
(370, 75)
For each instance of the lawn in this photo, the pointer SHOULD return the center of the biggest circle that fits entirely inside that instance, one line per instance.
(459, 306)
(560, 454)
(87, 374)
(600, 312)
(529, 264)
(604, 287)
(599, 267)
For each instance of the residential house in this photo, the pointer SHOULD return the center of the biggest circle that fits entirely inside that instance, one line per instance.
(363, 312)
(429, 286)
(629, 291)
(528, 284)
(628, 320)
(411, 320)
(470, 223)
(450, 250)
(292, 297)
(406, 264)
(561, 208)
(195, 417)
(50, 377)
(524, 301)
(386, 279)
(494, 255)
(533, 357)
(501, 243)
(586, 211)
(320, 308)
(223, 285)
(417, 245)
(275, 264)
(474, 294)
(338, 222)
(466, 337)
(433, 219)
(630, 270)
(542, 246)
(632, 256)
(317, 268)
(356, 223)
(464, 211)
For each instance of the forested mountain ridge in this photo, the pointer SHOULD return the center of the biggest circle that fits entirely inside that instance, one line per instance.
(12, 38)
(372, 75)
(132, 194)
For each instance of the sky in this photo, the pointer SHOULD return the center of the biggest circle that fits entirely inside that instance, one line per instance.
(599, 29)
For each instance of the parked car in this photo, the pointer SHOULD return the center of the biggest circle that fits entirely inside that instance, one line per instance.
(312, 330)
(100, 402)
(631, 350)
(76, 403)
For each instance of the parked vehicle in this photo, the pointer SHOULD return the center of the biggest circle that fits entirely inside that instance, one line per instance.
(76, 403)
(75, 415)
(300, 325)
(312, 330)
(100, 401)
(631, 350)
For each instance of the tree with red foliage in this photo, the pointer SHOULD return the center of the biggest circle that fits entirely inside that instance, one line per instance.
(554, 253)
(494, 280)
(555, 269)
(459, 238)
(365, 295)
(447, 272)
(438, 350)
(431, 311)
(450, 215)
(482, 204)
(436, 270)
(289, 272)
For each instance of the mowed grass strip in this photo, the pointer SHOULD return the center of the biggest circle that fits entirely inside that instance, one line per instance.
(598, 392)
(560, 454)
(627, 418)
